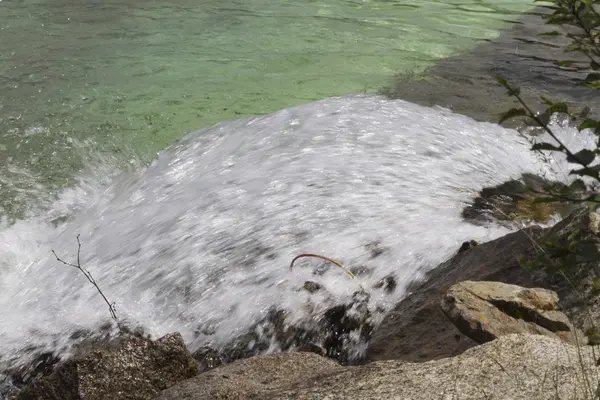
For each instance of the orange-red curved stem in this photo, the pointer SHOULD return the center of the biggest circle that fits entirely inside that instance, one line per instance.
(331, 260)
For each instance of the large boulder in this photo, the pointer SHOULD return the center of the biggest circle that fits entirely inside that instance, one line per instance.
(517, 367)
(417, 329)
(485, 311)
(131, 368)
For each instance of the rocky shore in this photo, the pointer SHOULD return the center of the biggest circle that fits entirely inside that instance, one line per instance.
(478, 326)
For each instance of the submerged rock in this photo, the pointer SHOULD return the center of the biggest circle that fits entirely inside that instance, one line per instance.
(485, 311)
(312, 287)
(514, 367)
(467, 245)
(388, 284)
(130, 368)
(335, 333)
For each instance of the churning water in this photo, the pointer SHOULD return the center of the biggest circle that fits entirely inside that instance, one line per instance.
(204, 235)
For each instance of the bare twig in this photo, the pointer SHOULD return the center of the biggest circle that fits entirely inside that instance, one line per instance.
(90, 278)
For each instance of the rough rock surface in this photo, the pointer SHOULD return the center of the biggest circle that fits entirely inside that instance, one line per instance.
(134, 368)
(485, 311)
(253, 377)
(512, 367)
(417, 329)
(334, 333)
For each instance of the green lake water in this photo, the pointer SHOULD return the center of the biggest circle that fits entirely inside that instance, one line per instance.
(84, 84)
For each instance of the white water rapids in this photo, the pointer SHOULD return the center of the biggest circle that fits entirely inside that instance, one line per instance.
(204, 236)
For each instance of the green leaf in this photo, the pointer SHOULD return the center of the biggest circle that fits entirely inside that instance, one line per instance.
(596, 282)
(588, 171)
(502, 81)
(588, 123)
(546, 146)
(552, 33)
(592, 77)
(513, 112)
(558, 107)
(573, 235)
(560, 20)
(566, 63)
(585, 157)
(542, 200)
(573, 47)
(594, 198)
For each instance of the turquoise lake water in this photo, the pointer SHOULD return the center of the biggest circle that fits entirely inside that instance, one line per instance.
(95, 83)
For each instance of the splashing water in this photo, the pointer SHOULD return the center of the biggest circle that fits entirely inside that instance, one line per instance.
(205, 234)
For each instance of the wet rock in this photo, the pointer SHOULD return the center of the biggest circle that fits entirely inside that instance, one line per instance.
(467, 245)
(388, 284)
(485, 311)
(333, 333)
(133, 368)
(514, 200)
(514, 367)
(375, 249)
(41, 365)
(208, 358)
(312, 287)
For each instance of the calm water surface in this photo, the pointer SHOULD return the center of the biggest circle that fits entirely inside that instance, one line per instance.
(100, 82)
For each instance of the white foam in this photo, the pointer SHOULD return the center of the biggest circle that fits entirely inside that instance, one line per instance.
(175, 245)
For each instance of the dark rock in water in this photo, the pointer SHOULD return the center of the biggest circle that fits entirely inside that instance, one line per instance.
(375, 249)
(134, 368)
(208, 358)
(41, 365)
(467, 245)
(334, 334)
(312, 287)
(388, 284)
(514, 200)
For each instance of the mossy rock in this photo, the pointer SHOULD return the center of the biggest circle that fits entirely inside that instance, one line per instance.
(516, 200)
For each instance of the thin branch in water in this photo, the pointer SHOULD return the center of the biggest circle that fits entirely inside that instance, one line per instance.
(331, 260)
(90, 278)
